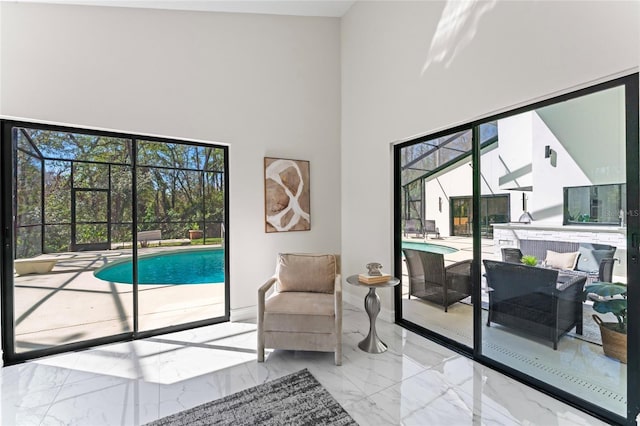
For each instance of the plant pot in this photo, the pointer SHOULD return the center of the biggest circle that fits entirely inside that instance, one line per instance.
(195, 234)
(614, 343)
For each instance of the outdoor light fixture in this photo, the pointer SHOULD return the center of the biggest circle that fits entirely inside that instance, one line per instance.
(548, 152)
(440, 204)
(551, 155)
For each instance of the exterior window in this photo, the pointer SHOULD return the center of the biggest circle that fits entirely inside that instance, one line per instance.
(597, 205)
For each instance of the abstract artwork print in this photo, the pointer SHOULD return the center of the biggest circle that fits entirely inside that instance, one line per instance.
(287, 196)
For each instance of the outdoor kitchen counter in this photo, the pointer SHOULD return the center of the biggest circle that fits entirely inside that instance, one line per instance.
(510, 235)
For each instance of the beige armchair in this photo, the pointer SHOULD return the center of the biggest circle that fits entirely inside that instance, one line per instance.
(300, 307)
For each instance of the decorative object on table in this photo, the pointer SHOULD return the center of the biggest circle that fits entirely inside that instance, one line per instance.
(374, 274)
(297, 398)
(372, 342)
(529, 260)
(610, 298)
(287, 195)
(374, 268)
(373, 279)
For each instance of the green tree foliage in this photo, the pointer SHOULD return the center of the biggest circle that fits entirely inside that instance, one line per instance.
(177, 185)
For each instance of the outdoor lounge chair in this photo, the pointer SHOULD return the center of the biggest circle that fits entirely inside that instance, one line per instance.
(413, 226)
(530, 299)
(430, 280)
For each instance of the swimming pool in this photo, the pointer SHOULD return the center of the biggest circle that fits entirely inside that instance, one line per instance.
(433, 248)
(175, 267)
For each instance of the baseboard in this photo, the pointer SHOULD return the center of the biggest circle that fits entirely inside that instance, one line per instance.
(248, 313)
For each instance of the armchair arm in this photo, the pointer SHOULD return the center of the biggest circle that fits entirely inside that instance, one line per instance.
(573, 285)
(458, 276)
(568, 297)
(338, 312)
(262, 292)
(463, 267)
(338, 298)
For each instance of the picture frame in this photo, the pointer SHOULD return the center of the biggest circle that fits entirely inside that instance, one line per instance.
(287, 195)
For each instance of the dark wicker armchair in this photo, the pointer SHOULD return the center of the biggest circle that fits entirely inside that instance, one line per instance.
(511, 255)
(430, 280)
(534, 300)
(605, 271)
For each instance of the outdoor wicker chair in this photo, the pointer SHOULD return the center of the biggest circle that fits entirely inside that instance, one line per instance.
(430, 280)
(511, 255)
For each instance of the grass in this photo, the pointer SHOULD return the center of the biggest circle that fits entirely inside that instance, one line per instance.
(211, 240)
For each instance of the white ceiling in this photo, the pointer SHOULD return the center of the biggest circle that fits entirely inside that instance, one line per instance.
(330, 8)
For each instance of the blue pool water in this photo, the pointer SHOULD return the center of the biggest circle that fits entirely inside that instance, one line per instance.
(184, 267)
(433, 248)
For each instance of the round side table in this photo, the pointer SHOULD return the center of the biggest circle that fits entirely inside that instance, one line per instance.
(372, 342)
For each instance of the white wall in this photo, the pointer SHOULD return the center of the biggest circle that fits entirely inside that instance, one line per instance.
(454, 182)
(266, 85)
(506, 53)
(515, 134)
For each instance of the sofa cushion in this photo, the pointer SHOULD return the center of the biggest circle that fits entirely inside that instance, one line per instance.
(306, 272)
(591, 256)
(562, 260)
(300, 312)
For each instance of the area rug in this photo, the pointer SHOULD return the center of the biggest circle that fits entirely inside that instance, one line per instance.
(296, 399)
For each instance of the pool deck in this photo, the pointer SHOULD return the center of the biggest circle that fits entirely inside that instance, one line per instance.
(70, 304)
(464, 245)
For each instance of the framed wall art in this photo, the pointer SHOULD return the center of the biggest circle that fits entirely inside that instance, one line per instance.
(287, 197)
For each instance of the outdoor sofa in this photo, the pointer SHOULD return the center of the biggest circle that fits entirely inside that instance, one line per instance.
(594, 261)
(534, 300)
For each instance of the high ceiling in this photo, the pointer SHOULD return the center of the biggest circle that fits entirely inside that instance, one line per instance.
(329, 8)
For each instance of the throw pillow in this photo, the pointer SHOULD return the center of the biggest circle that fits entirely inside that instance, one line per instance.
(561, 260)
(306, 272)
(590, 258)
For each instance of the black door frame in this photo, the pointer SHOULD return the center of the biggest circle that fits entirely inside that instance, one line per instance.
(7, 235)
(630, 82)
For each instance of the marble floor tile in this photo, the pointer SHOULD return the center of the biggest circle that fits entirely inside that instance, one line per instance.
(416, 382)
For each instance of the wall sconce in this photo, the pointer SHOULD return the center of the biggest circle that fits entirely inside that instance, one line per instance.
(440, 204)
(551, 155)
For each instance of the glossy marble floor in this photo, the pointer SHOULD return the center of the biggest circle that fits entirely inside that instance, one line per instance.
(415, 382)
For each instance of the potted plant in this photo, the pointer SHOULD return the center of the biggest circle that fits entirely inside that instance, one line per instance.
(529, 260)
(195, 232)
(610, 298)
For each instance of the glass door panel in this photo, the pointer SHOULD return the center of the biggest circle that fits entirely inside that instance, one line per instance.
(181, 261)
(56, 297)
(566, 162)
(437, 255)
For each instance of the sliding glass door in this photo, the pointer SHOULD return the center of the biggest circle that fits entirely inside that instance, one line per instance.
(546, 201)
(96, 225)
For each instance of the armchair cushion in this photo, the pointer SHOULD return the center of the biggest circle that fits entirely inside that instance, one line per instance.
(300, 312)
(306, 272)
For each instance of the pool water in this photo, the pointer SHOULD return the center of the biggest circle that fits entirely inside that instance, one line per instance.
(183, 267)
(433, 248)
